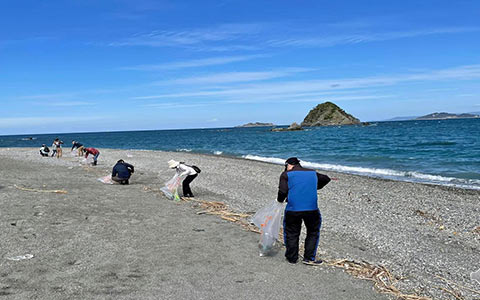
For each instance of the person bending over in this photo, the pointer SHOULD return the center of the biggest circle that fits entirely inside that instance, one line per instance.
(299, 186)
(122, 171)
(93, 152)
(183, 169)
(78, 146)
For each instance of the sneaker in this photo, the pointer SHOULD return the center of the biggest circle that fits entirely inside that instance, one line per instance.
(312, 262)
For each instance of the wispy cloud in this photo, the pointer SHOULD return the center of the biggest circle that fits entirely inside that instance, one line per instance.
(212, 61)
(283, 88)
(259, 36)
(233, 77)
(190, 37)
(342, 39)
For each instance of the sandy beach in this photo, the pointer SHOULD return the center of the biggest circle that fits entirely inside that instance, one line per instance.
(101, 241)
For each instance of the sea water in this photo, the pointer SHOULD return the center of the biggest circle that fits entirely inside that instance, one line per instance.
(445, 152)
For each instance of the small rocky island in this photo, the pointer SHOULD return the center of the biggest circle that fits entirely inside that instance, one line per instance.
(293, 127)
(444, 116)
(256, 124)
(327, 114)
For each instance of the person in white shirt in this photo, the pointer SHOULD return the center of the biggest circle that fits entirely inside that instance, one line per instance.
(183, 169)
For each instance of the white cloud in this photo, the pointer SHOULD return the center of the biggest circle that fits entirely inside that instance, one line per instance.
(231, 77)
(330, 40)
(283, 88)
(212, 61)
(256, 36)
(190, 37)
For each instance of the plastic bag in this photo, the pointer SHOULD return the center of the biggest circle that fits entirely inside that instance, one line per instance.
(74, 152)
(171, 188)
(88, 160)
(268, 220)
(107, 179)
(475, 276)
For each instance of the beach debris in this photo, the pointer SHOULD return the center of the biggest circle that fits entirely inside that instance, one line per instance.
(476, 230)
(457, 293)
(383, 280)
(171, 188)
(268, 220)
(40, 191)
(20, 257)
(106, 179)
(476, 276)
(129, 155)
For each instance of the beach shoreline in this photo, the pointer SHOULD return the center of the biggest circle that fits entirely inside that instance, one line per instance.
(416, 230)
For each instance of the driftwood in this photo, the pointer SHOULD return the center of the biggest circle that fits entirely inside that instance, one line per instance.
(40, 191)
(382, 278)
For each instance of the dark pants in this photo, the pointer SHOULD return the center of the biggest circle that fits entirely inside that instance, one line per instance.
(292, 226)
(120, 180)
(187, 192)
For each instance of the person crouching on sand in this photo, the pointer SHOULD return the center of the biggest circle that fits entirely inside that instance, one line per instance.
(299, 186)
(122, 171)
(93, 152)
(183, 169)
(44, 151)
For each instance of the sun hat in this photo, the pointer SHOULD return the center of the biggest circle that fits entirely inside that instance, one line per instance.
(173, 164)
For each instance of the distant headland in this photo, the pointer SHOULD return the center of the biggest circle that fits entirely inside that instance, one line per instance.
(444, 115)
(257, 124)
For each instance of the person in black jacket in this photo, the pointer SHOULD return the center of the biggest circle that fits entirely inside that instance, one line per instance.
(122, 171)
(299, 186)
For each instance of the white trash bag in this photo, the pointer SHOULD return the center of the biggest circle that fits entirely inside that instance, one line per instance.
(106, 179)
(171, 188)
(88, 160)
(268, 220)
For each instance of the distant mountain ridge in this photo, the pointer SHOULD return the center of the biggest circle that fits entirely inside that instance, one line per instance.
(438, 116)
(444, 115)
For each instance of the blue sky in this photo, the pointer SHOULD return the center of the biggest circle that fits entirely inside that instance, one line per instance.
(100, 65)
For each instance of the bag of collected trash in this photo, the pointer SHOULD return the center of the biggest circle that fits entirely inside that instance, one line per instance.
(88, 160)
(268, 220)
(74, 152)
(106, 179)
(171, 188)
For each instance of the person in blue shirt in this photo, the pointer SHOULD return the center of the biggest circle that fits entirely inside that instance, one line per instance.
(299, 187)
(122, 171)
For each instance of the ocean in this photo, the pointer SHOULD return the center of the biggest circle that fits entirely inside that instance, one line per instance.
(444, 152)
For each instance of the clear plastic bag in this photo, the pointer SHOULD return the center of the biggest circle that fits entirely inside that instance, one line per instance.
(475, 276)
(268, 220)
(171, 188)
(107, 179)
(88, 160)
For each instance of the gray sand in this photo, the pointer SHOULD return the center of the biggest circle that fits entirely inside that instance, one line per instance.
(126, 242)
